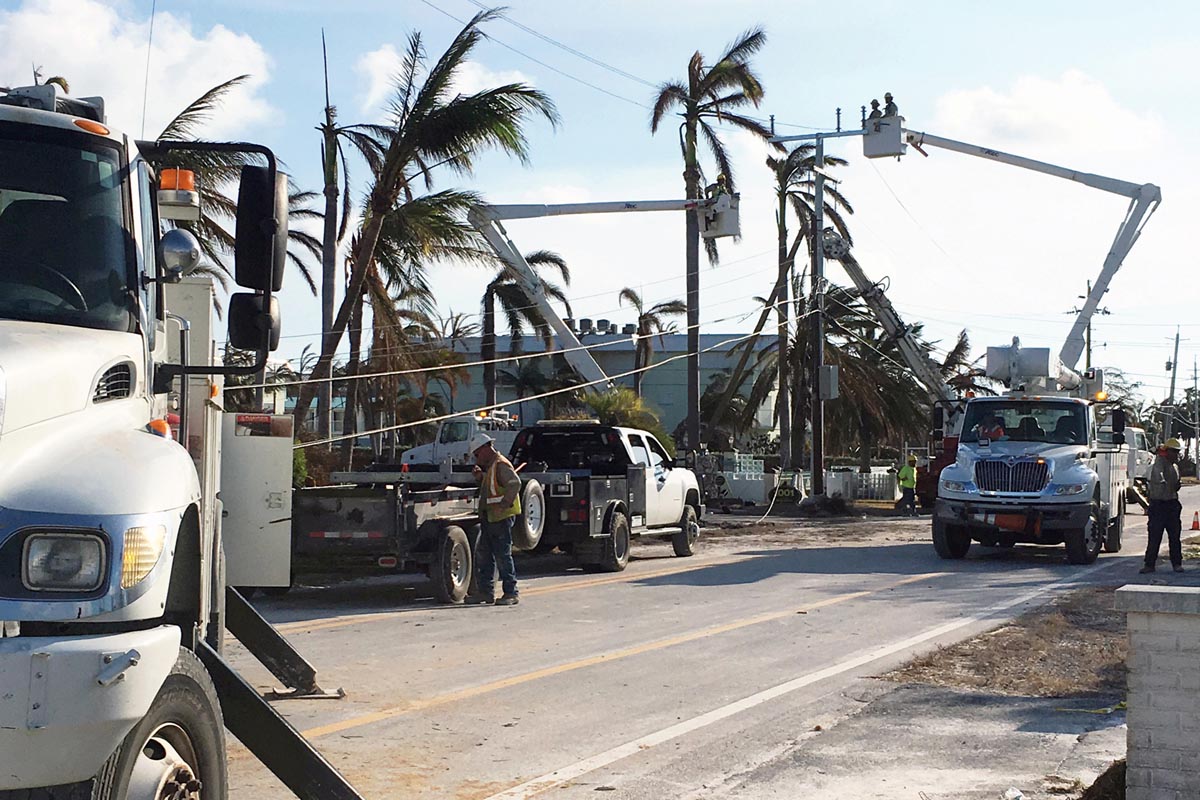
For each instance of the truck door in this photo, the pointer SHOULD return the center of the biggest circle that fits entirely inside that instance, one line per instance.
(641, 455)
(452, 441)
(669, 481)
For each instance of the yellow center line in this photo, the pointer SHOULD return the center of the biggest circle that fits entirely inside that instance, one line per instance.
(307, 626)
(603, 658)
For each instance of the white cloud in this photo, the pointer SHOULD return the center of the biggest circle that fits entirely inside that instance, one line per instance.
(101, 50)
(379, 68)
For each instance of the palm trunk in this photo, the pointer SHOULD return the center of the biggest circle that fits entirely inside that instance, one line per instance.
(691, 178)
(358, 276)
(781, 306)
(639, 361)
(487, 347)
(328, 267)
(350, 418)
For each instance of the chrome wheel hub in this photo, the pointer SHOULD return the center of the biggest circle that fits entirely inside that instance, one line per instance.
(166, 767)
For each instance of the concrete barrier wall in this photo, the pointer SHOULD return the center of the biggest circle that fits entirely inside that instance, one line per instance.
(1164, 691)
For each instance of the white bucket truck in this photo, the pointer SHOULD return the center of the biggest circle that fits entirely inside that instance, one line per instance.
(1031, 467)
(113, 601)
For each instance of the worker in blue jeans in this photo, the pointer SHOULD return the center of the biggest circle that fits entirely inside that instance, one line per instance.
(1163, 514)
(501, 490)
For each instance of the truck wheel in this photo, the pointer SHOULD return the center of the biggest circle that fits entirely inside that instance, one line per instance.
(177, 749)
(1084, 544)
(950, 541)
(616, 549)
(452, 566)
(684, 540)
(528, 527)
(1112, 540)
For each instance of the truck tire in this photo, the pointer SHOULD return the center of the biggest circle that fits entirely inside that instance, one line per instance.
(614, 552)
(529, 525)
(181, 738)
(1084, 544)
(452, 566)
(684, 540)
(1112, 540)
(950, 541)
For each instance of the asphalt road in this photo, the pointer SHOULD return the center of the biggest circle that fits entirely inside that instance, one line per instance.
(672, 679)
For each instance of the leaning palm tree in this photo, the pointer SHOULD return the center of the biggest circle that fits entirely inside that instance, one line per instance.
(651, 322)
(518, 309)
(431, 124)
(710, 96)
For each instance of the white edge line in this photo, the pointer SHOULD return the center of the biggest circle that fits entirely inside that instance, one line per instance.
(562, 775)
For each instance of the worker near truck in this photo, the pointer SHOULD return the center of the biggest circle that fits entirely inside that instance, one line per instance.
(1164, 513)
(501, 489)
(907, 478)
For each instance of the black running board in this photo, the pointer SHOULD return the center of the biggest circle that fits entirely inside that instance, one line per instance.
(271, 738)
(274, 652)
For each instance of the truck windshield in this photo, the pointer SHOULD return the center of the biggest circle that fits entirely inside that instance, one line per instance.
(1026, 421)
(66, 256)
(599, 450)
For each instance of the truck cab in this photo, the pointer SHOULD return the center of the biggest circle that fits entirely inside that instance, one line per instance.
(453, 435)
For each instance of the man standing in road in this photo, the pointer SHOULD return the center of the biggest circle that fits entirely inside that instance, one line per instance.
(907, 476)
(501, 489)
(1165, 510)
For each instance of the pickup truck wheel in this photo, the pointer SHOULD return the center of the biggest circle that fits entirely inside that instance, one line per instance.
(950, 541)
(684, 540)
(616, 549)
(1112, 540)
(452, 566)
(177, 749)
(1084, 544)
(529, 525)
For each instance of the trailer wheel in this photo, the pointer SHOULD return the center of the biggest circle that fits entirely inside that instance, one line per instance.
(529, 525)
(1112, 540)
(950, 541)
(684, 540)
(452, 566)
(177, 749)
(1084, 544)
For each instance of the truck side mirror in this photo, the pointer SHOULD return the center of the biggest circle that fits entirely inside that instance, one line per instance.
(1118, 439)
(939, 417)
(250, 326)
(178, 253)
(260, 246)
(1118, 420)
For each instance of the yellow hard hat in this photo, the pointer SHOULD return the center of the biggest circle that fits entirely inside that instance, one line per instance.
(912, 459)
(1172, 444)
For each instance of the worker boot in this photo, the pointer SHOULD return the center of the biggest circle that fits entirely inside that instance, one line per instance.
(480, 600)
(508, 600)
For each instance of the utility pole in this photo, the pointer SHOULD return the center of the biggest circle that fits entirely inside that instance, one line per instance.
(816, 240)
(1168, 425)
(1195, 413)
(1088, 330)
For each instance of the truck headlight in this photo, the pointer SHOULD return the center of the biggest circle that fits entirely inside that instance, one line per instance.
(954, 486)
(143, 546)
(63, 562)
(1070, 488)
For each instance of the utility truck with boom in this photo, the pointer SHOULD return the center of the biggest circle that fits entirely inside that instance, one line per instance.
(113, 536)
(1030, 466)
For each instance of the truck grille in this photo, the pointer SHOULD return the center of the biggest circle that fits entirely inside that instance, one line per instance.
(1023, 476)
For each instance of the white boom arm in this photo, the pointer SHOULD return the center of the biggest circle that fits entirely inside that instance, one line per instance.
(718, 217)
(914, 356)
(1144, 200)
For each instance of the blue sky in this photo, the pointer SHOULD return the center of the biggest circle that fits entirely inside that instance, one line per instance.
(1096, 86)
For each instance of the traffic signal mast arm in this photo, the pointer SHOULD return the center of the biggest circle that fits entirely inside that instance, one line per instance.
(720, 213)
(1143, 201)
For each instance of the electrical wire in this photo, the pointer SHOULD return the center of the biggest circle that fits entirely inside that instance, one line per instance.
(551, 393)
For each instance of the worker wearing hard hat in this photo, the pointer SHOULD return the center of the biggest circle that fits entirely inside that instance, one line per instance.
(907, 477)
(1165, 511)
(501, 489)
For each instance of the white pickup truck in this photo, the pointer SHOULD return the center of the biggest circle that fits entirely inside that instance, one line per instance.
(588, 488)
(451, 443)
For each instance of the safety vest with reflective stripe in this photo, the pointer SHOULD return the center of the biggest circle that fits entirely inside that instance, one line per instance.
(493, 494)
(908, 477)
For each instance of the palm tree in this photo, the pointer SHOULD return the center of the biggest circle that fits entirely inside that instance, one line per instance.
(620, 406)
(650, 322)
(431, 124)
(711, 95)
(525, 380)
(519, 310)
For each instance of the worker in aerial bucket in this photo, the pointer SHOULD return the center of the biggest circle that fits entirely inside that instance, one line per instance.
(1164, 513)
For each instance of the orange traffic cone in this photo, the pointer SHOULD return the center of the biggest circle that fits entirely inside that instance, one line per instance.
(1196, 520)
